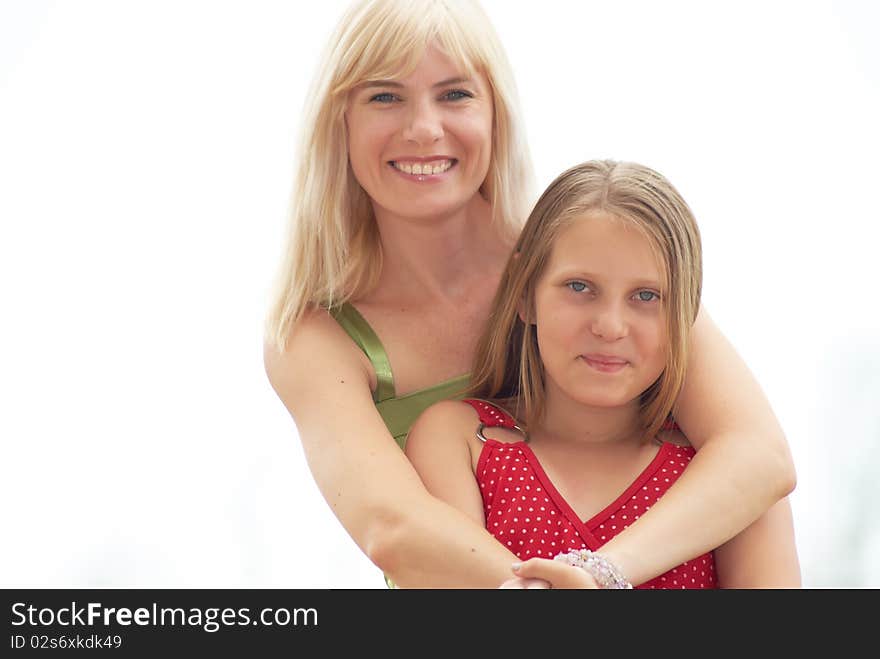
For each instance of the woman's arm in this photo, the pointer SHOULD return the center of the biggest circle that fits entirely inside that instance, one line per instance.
(762, 556)
(742, 468)
(417, 540)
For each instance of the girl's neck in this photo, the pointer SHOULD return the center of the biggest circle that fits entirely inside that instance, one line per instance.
(426, 260)
(566, 421)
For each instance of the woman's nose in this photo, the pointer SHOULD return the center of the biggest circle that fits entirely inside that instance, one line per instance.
(423, 123)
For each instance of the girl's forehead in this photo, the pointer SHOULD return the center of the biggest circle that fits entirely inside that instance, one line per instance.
(603, 242)
(597, 227)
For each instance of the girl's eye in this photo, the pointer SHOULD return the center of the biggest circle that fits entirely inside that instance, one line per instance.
(384, 97)
(577, 286)
(457, 95)
(647, 296)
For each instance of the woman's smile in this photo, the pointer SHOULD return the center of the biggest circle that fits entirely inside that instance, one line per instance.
(429, 169)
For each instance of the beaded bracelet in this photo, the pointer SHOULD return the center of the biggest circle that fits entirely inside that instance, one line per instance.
(597, 566)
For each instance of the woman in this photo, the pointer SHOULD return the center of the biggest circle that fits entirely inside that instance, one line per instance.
(412, 185)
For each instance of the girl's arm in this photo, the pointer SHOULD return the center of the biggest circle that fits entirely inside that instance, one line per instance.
(437, 447)
(762, 556)
(417, 540)
(443, 449)
(742, 467)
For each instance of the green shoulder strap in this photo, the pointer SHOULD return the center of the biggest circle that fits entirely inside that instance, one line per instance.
(363, 335)
(398, 413)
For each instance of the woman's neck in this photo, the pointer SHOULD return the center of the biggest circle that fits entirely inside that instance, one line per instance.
(439, 258)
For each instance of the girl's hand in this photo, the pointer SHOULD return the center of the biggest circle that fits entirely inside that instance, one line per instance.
(557, 574)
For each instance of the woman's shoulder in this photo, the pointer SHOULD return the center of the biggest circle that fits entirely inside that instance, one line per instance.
(316, 341)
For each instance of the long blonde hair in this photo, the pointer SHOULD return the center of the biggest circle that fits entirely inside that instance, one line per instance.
(333, 252)
(508, 364)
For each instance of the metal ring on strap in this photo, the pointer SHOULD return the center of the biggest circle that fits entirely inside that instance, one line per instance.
(483, 438)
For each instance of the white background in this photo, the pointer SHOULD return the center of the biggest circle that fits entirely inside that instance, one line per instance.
(146, 153)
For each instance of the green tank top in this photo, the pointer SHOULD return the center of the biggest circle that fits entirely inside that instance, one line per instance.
(398, 412)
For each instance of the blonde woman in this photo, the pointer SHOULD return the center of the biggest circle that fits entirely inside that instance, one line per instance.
(587, 347)
(413, 180)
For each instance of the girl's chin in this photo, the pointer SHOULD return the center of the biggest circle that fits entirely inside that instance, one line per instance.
(606, 399)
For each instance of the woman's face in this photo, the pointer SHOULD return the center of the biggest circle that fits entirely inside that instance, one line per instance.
(420, 146)
(600, 321)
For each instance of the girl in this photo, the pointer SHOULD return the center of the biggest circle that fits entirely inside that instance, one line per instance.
(412, 185)
(587, 346)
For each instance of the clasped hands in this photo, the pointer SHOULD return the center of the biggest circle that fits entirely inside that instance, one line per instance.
(543, 573)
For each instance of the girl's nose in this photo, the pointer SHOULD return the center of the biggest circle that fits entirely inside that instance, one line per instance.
(609, 323)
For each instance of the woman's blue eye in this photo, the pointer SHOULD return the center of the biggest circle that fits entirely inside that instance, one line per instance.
(577, 286)
(456, 95)
(384, 97)
(647, 296)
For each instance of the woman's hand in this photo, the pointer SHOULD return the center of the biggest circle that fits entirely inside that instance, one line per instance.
(518, 583)
(544, 573)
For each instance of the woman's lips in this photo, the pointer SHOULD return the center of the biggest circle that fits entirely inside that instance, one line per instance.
(605, 363)
(433, 169)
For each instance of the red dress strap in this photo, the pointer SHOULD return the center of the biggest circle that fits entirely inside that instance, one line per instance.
(490, 415)
(670, 424)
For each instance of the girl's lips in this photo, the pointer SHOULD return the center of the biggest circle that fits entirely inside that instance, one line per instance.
(605, 364)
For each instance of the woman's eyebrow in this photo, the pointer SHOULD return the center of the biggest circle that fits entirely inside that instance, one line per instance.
(452, 81)
(381, 83)
(396, 85)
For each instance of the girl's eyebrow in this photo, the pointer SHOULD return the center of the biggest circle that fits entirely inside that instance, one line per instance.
(634, 282)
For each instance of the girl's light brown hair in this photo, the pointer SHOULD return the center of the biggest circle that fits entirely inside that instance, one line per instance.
(508, 365)
(333, 253)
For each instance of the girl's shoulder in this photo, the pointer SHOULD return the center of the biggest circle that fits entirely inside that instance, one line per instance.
(672, 434)
(454, 421)
(494, 421)
(491, 413)
(445, 424)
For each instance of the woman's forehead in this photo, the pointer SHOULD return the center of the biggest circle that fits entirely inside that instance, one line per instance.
(431, 61)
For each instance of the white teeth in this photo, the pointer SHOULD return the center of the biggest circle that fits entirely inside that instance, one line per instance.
(423, 168)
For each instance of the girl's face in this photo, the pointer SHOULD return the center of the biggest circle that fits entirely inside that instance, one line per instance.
(420, 146)
(600, 321)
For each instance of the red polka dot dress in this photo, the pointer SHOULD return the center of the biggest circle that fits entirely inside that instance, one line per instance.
(527, 514)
